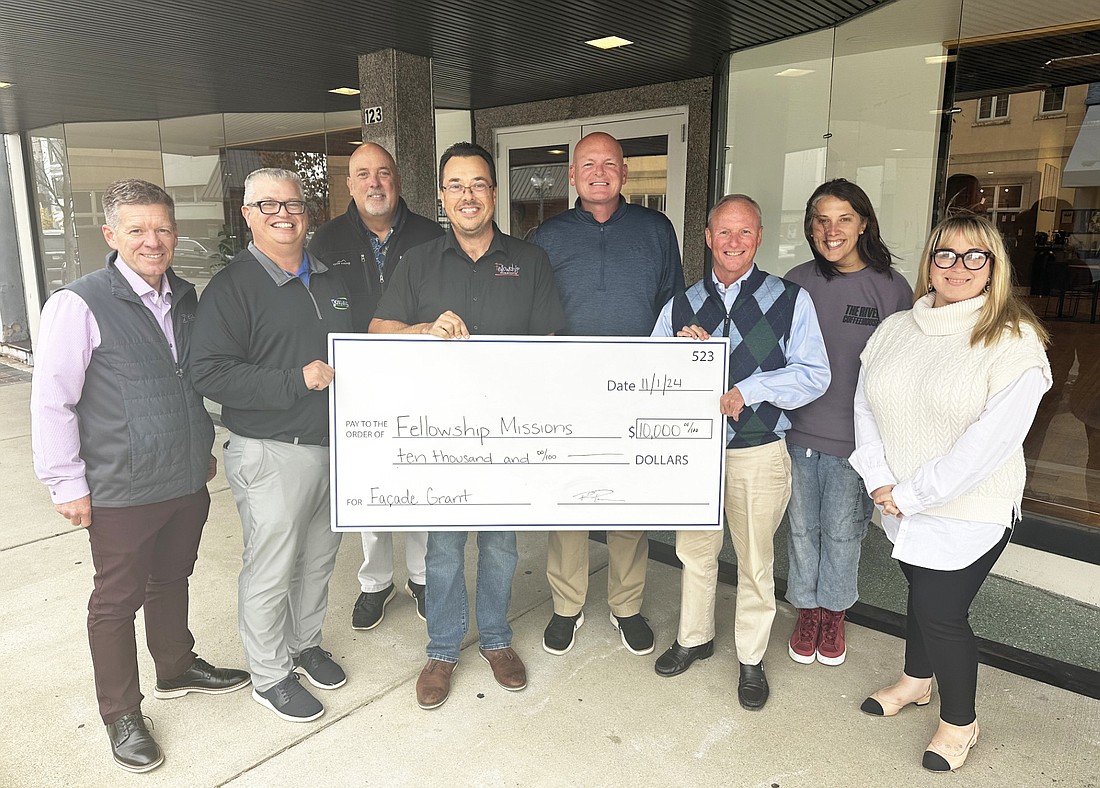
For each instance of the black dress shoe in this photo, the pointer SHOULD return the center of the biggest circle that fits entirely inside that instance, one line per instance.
(752, 687)
(202, 677)
(134, 748)
(678, 658)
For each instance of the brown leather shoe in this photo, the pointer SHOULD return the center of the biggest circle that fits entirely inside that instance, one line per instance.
(507, 668)
(434, 684)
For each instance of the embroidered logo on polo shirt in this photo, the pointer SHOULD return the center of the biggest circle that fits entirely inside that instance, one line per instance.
(507, 269)
(339, 303)
(187, 317)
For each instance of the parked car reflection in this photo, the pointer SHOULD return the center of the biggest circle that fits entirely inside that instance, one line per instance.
(196, 257)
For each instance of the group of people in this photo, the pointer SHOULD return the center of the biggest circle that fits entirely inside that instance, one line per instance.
(836, 387)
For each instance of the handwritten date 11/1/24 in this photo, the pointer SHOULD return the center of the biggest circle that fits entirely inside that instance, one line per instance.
(654, 384)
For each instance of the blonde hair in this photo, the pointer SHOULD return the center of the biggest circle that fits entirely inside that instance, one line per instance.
(1003, 309)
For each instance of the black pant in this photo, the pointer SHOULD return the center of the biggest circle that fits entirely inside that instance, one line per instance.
(143, 556)
(939, 640)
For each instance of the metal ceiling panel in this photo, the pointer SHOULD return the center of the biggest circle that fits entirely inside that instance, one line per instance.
(93, 60)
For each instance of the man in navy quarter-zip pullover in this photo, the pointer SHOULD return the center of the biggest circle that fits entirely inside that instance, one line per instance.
(616, 264)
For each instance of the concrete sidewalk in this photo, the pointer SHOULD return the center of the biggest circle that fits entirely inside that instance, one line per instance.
(597, 716)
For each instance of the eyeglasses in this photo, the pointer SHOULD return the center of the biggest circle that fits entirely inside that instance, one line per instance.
(271, 207)
(457, 189)
(973, 259)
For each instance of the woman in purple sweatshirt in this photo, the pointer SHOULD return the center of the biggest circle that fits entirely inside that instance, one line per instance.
(854, 288)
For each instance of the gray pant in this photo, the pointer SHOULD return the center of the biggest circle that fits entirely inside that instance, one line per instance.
(282, 494)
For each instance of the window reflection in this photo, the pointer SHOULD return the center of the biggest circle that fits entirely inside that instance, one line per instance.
(201, 161)
(1023, 152)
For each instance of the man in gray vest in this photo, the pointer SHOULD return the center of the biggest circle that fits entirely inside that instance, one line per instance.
(364, 247)
(123, 442)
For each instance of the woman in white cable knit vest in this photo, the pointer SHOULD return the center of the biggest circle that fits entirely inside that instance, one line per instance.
(945, 398)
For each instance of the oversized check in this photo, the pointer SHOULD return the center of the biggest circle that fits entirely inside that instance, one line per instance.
(526, 433)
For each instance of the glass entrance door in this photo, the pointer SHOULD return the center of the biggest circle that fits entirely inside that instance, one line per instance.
(533, 176)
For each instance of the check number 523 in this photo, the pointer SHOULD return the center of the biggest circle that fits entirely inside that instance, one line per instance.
(702, 355)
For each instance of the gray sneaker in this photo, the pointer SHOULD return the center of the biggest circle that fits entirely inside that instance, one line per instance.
(290, 700)
(317, 665)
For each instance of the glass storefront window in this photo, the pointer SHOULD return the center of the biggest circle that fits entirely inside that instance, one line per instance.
(1039, 183)
(781, 160)
(192, 161)
(99, 154)
(916, 102)
(201, 161)
(56, 221)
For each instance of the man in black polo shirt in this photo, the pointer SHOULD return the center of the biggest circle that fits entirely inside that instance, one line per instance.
(364, 247)
(473, 280)
(258, 346)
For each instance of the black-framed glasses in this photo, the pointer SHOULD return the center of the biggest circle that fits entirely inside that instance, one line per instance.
(973, 259)
(271, 207)
(457, 189)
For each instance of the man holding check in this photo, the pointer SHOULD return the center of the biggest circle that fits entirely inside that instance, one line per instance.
(777, 362)
(473, 280)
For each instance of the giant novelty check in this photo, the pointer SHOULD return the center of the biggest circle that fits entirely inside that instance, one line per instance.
(526, 433)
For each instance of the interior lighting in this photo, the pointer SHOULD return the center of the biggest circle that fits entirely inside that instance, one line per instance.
(355, 142)
(556, 152)
(795, 72)
(609, 42)
(935, 60)
(345, 91)
(6, 84)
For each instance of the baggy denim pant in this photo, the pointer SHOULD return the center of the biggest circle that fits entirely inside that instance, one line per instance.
(828, 515)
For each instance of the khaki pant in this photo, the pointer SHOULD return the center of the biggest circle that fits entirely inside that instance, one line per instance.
(567, 570)
(758, 486)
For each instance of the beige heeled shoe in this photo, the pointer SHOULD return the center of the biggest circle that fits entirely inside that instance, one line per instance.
(945, 756)
(877, 706)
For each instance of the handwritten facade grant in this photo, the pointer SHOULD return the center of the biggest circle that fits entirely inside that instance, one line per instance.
(531, 433)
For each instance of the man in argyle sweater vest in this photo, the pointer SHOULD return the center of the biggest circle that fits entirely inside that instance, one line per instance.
(777, 362)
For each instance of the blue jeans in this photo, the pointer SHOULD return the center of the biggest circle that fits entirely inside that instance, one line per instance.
(828, 515)
(447, 604)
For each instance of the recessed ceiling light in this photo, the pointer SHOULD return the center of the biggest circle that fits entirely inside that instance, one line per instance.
(608, 42)
(6, 84)
(355, 142)
(556, 152)
(897, 150)
(345, 91)
(989, 172)
(933, 60)
(795, 72)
